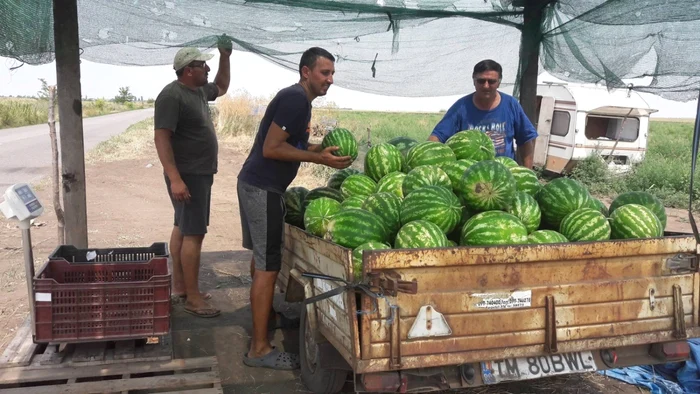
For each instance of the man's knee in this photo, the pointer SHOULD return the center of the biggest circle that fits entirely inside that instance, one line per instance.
(193, 239)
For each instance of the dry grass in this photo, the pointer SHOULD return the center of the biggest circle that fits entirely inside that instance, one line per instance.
(135, 142)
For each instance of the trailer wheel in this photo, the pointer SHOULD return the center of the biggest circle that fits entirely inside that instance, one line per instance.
(316, 378)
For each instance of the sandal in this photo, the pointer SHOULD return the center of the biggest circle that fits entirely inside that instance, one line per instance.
(274, 360)
(202, 312)
(205, 296)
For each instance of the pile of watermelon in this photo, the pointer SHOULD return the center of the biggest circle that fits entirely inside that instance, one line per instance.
(428, 194)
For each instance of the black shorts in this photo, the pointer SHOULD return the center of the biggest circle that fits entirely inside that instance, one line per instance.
(262, 224)
(193, 217)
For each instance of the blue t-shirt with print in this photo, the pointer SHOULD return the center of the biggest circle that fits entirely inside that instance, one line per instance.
(505, 123)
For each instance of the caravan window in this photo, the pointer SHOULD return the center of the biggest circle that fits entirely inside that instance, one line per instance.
(560, 123)
(612, 128)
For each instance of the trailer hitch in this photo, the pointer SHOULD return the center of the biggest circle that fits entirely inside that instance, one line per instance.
(373, 292)
(391, 283)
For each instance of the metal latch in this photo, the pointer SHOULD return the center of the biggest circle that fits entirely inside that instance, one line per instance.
(682, 263)
(390, 282)
(652, 299)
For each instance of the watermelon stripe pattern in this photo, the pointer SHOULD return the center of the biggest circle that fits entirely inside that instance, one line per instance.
(455, 170)
(425, 176)
(339, 176)
(559, 198)
(323, 192)
(526, 180)
(546, 237)
(420, 234)
(435, 204)
(388, 207)
(493, 228)
(318, 215)
(358, 185)
(472, 144)
(392, 183)
(632, 221)
(357, 264)
(507, 161)
(344, 140)
(294, 202)
(428, 153)
(585, 224)
(487, 185)
(525, 208)
(403, 144)
(353, 227)
(353, 202)
(382, 159)
(641, 198)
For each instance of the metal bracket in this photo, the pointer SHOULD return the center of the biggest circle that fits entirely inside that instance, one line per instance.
(550, 324)
(395, 338)
(390, 282)
(682, 263)
(678, 314)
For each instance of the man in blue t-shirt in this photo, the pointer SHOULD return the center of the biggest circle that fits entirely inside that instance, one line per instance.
(497, 114)
(281, 144)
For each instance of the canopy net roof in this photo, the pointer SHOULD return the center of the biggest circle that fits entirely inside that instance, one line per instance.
(412, 48)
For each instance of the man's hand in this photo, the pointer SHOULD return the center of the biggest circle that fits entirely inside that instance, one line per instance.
(331, 160)
(225, 45)
(179, 190)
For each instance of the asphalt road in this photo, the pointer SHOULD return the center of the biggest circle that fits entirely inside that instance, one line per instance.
(25, 152)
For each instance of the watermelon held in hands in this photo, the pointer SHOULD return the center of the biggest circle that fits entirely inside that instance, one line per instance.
(428, 153)
(472, 144)
(428, 175)
(358, 185)
(420, 234)
(487, 185)
(357, 256)
(352, 227)
(493, 228)
(435, 204)
(294, 202)
(546, 237)
(344, 140)
(631, 221)
(641, 198)
(559, 198)
(339, 176)
(585, 224)
(381, 160)
(318, 214)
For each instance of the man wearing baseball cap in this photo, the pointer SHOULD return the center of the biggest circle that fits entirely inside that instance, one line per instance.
(188, 150)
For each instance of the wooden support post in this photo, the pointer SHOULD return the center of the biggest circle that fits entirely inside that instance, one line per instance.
(60, 221)
(70, 109)
(531, 37)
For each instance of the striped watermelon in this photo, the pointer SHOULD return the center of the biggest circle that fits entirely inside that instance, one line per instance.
(344, 140)
(352, 227)
(318, 214)
(493, 228)
(525, 208)
(357, 256)
(455, 170)
(392, 183)
(506, 161)
(353, 202)
(322, 192)
(358, 185)
(472, 144)
(403, 144)
(420, 234)
(526, 180)
(452, 243)
(425, 176)
(435, 204)
(428, 153)
(456, 234)
(631, 221)
(642, 198)
(598, 205)
(294, 202)
(585, 224)
(388, 207)
(487, 185)
(339, 176)
(559, 198)
(382, 159)
(546, 237)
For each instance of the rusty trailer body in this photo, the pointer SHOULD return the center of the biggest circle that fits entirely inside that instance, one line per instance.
(471, 314)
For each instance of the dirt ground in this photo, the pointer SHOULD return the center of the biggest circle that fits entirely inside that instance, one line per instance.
(128, 206)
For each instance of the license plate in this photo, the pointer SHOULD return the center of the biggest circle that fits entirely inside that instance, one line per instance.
(536, 367)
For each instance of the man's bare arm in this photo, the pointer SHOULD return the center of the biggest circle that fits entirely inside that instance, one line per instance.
(167, 160)
(276, 147)
(528, 153)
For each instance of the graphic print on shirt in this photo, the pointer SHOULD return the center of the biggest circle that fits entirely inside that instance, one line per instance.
(496, 131)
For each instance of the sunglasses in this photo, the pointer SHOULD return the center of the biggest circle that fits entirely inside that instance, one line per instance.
(482, 81)
(197, 64)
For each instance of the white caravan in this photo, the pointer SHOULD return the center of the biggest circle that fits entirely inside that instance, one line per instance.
(577, 120)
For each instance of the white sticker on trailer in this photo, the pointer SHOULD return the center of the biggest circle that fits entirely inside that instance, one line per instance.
(516, 299)
(326, 286)
(42, 297)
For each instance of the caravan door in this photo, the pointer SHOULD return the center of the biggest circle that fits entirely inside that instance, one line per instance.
(556, 128)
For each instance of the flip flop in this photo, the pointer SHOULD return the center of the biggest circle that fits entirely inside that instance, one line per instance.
(273, 360)
(203, 312)
(206, 296)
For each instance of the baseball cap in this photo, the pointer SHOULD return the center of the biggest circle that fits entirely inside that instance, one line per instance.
(186, 55)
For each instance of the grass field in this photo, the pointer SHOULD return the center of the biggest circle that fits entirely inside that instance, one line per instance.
(16, 112)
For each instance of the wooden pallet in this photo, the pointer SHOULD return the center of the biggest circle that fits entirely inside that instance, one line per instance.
(191, 375)
(23, 352)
